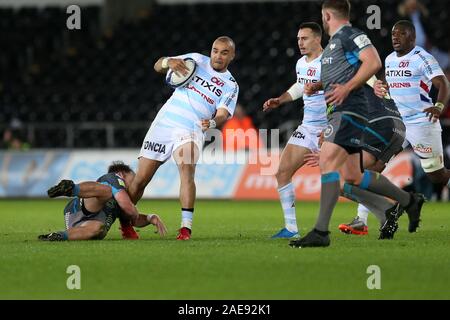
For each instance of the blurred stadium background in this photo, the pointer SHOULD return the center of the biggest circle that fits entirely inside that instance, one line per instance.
(65, 92)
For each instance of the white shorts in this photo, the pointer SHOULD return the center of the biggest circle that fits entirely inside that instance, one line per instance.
(426, 140)
(159, 143)
(307, 137)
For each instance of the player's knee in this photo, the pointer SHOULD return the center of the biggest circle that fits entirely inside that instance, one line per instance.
(282, 175)
(186, 155)
(379, 166)
(187, 169)
(187, 173)
(327, 163)
(352, 178)
(438, 177)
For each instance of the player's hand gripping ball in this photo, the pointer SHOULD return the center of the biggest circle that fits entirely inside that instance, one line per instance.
(176, 79)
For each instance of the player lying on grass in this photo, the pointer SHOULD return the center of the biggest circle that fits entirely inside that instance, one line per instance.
(96, 205)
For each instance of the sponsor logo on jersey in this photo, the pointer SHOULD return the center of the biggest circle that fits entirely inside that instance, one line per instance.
(398, 73)
(403, 64)
(210, 86)
(155, 147)
(217, 81)
(399, 131)
(121, 182)
(427, 63)
(362, 41)
(330, 108)
(305, 81)
(328, 60)
(328, 131)
(298, 135)
(204, 96)
(232, 96)
(423, 149)
(399, 85)
(311, 72)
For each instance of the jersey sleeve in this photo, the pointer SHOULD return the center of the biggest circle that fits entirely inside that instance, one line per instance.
(430, 68)
(115, 182)
(354, 44)
(229, 99)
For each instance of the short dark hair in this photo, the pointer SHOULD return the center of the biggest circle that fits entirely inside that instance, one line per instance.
(315, 27)
(119, 166)
(341, 7)
(408, 25)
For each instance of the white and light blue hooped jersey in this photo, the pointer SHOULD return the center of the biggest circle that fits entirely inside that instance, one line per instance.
(207, 92)
(314, 113)
(409, 79)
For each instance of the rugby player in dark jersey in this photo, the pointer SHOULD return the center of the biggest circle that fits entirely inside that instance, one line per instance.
(96, 205)
(348, 62)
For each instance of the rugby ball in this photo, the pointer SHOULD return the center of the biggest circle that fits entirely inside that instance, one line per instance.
(178, 80)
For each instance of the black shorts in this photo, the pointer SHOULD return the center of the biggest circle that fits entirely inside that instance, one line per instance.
(384, 138)
(346, 130)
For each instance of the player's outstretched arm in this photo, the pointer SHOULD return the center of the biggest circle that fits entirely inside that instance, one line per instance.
(137, 219)
(144, 220)
(274, 103)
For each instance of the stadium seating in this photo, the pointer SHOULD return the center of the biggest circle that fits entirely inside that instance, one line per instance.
(60, 78)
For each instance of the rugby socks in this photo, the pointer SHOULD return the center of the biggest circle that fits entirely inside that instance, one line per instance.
(64, 235)
(377, 204)
(287, 199)
(76, 190)
(329, 195)
(363, 213)
(186, 217)
(377, 183)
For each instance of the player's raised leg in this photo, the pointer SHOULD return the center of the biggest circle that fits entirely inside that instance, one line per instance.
(94, 194)
(87, 189)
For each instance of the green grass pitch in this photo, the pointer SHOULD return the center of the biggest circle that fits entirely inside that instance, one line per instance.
(229, 257)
